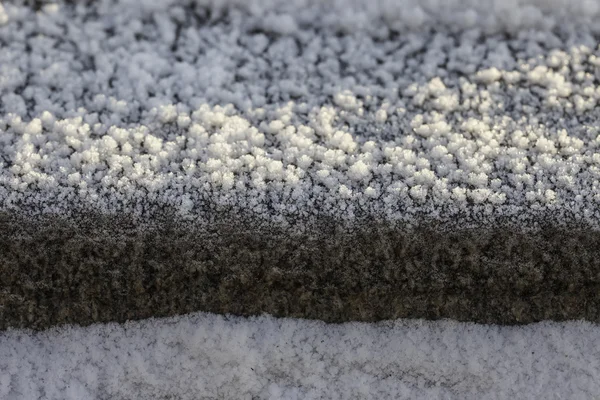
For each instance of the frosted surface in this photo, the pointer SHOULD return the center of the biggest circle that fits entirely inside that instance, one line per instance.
(395, 109)
(209, 356)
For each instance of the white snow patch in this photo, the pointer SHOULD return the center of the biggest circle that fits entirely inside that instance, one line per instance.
(119, 109)
(205, 355)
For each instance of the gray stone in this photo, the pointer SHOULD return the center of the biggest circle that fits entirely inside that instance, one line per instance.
(92, 268)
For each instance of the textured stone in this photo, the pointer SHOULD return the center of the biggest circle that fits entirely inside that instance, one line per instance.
(97, 269)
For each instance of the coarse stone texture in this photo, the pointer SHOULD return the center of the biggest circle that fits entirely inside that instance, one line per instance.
(98, 269)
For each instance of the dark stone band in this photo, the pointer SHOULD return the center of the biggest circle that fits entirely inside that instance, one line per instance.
(98, 269)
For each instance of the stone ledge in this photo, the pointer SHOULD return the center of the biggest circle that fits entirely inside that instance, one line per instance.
(56, 271)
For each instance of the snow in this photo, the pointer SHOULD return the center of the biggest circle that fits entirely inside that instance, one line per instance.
(489, 75)
(399, 109)
(438, 103)
(209, 356)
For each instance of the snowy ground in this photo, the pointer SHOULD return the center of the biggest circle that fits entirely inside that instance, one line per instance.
(395, 109)
(208, 356)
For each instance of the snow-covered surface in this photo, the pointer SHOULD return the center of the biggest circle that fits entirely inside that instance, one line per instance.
(208, 356)
(393, 108)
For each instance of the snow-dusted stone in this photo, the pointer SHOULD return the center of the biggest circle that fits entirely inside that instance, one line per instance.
(300, 117)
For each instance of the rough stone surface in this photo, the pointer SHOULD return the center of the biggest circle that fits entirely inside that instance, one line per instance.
(57, 271)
